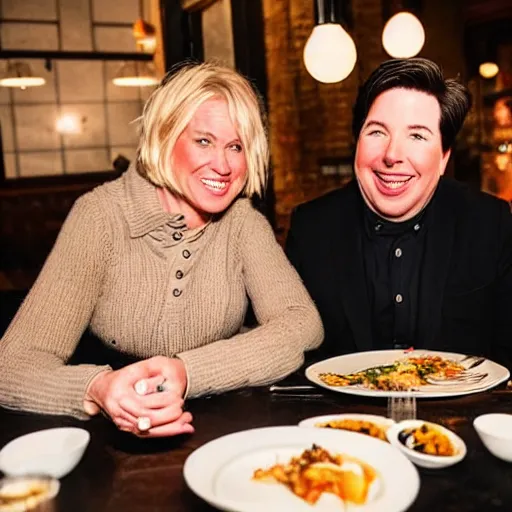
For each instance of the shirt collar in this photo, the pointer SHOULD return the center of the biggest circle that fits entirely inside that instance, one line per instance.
(144, 212)
(376, 225)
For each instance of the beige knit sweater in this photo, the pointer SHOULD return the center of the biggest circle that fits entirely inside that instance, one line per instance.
(141, 280)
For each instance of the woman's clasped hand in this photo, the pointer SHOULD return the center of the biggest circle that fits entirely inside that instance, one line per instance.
(145, 398)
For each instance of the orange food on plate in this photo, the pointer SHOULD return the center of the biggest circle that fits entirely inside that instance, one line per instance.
(361, 426)
(408, 373)
(317, 471)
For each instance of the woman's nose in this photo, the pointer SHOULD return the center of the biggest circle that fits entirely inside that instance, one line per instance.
(220, 163)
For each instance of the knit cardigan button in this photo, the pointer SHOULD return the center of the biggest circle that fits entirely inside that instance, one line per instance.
(186, 254)
(176, 292)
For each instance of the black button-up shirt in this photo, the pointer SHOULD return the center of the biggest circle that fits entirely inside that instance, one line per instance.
(393, 253)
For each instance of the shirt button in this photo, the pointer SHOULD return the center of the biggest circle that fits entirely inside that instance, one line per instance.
(186, 254)
(378, 226)
(178, 235)
(179, 274)
(176, 292)
(416, 227)
(398, 252)
(398, 298)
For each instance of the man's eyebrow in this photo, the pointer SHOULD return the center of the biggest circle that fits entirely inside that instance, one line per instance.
(372, 122)
(420, 127)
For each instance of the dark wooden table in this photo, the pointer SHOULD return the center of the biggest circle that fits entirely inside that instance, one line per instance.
(121, 472)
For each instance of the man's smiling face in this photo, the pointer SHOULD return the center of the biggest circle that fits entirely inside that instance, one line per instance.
(399, 157)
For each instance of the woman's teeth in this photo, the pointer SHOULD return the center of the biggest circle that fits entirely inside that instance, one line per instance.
(218, 185)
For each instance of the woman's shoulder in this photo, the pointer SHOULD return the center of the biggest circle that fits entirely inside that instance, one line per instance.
(243, 211)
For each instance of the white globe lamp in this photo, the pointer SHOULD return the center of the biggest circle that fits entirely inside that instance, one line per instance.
(330, 53)
(403, 36)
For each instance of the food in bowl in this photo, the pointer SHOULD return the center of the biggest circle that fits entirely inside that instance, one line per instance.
(26, 492)
(427, 439)
(316, 471)
(401, 375)
(363, 427)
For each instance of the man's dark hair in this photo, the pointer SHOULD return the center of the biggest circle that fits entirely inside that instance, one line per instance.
(421, 75)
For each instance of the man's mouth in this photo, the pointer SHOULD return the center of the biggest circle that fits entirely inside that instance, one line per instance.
(392, 181)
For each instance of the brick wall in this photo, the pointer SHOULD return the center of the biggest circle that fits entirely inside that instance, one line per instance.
(309, 120)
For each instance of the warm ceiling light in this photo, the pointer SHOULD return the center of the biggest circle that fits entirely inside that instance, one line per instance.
(403, 36)
(68, 123)
(19, 74)
(330, 53)
(145, 35)
(135, 74)
(488, 69)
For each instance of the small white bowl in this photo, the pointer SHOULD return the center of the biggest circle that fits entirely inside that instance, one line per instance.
(422, 459)
(53, 452)
(380, 421)
(495, 431)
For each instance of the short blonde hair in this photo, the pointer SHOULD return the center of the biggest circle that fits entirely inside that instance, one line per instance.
(173, 104)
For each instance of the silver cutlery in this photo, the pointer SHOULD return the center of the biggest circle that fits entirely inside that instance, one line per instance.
(470, 378)
(470, 362)
(292, 389)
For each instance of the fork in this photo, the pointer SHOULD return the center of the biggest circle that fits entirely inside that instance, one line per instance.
(474, 378)
(472, 361)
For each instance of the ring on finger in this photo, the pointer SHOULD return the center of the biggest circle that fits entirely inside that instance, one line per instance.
(161, 387)
(143, 423)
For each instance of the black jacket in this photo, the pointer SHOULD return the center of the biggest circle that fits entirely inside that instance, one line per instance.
(465, 295)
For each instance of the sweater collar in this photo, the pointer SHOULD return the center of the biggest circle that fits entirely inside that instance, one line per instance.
(144, 212)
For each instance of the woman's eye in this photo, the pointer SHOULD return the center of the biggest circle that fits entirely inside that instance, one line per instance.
(236, 147)
(203, 142)
(376, 132)
(417, 136)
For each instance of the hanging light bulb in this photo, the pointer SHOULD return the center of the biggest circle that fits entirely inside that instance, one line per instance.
(19, 74)
(488, 69)
(135, 74)
(330, 53)
(403, 36)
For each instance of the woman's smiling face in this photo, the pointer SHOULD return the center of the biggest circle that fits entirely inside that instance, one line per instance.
(399, 156)
(208, 162)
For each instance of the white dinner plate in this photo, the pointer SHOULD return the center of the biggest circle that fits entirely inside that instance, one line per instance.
(220, 472)
(352, 363)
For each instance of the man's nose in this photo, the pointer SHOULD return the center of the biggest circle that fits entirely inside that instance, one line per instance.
(393, 154)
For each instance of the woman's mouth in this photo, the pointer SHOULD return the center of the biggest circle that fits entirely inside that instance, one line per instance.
(215, 186)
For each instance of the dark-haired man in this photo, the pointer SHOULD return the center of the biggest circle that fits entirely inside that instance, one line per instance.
(400, 257)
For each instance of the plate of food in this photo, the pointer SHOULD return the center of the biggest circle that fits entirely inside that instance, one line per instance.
(418, 373)
(369, 424)
(301, 469)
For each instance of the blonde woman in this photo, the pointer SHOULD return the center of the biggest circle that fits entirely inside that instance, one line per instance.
(160, 264)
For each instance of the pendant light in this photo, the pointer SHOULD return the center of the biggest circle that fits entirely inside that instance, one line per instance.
(403, 35)
(19, 74)
(136, 74)
(330, 53)
(488, 69)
